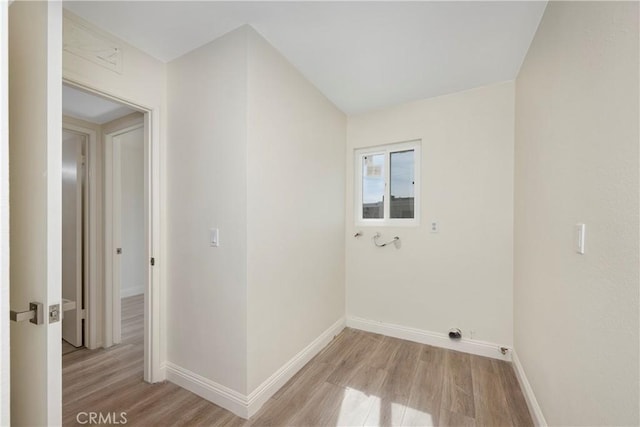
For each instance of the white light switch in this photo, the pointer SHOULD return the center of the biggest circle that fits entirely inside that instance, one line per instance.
(580, 229)
(214, 237)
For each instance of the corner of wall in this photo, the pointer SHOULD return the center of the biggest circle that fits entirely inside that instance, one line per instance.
(527, 391)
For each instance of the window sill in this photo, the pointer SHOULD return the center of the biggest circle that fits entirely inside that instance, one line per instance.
(388, 223)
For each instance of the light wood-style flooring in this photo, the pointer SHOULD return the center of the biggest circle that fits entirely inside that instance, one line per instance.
(359, 379)
(68, 348)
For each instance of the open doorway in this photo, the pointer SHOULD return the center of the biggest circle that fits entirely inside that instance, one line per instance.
(124, 183)
(74, 239)
(105, 237)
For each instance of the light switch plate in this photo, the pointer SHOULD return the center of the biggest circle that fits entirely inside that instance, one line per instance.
(580, 230)
(214, 237)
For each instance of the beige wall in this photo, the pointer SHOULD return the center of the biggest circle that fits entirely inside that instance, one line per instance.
(207, 93)
(295, 211)
(141, 80)
(258, 153)
(576, 316)
(461, 276)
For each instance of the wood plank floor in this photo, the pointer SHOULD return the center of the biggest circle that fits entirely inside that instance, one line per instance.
(360, 379)
(68, 348)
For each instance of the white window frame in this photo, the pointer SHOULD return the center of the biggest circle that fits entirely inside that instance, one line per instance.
(359, 154)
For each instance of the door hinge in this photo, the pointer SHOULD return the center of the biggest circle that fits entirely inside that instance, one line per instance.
(153, 261)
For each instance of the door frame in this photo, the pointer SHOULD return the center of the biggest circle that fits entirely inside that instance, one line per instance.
(5, 393)
(152, 309)
(92, 227)
(113, 223)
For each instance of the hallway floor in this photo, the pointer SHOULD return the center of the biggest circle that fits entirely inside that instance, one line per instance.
(359, 379)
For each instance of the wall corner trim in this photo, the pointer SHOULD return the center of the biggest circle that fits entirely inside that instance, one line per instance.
(532, 402)
(207, 389)
(480, 348)
(271, 385)
(238, 403)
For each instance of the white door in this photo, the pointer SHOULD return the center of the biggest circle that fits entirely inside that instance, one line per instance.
(129, 264)
(72, 236)
(35, 128)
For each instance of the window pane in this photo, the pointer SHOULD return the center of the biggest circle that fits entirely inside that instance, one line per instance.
(402, 184)
(373, 186)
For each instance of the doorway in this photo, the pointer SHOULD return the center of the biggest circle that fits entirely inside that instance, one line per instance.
(74, 239)
(105, 224)
(125, 218)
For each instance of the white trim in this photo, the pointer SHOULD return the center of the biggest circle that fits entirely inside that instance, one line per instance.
(210, 390)
(5, 367)
(238, 403)
(480, 348)
(532, 402)
(53, 385)
(271, 385)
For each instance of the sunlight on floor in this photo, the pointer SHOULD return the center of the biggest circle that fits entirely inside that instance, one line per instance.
(380, 412)
(418, 418)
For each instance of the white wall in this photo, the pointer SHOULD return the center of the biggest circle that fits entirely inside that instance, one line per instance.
(576, 316)
(295, 218)
(461, 276)
(206, 168)
(132, 273)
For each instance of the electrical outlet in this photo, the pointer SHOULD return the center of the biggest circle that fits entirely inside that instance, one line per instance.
(435, 227)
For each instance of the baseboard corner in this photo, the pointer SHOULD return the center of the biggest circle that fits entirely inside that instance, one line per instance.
(271, 385)
(527, 391)
(246, 406)
(210, 390)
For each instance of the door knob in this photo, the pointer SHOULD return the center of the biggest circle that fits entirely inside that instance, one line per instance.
(35, 314)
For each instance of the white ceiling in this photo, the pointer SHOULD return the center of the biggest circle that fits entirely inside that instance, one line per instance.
(361, 55)
(92, 108)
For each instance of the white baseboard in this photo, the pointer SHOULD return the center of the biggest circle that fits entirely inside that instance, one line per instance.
(238, 403)
(130, 292)
(210, 390)
(480, 348)
(532, 403)
(271, 385)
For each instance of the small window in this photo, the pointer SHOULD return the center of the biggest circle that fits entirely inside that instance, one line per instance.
(387, 183)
